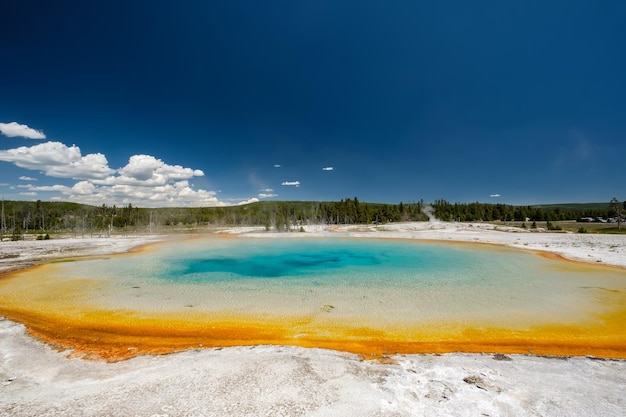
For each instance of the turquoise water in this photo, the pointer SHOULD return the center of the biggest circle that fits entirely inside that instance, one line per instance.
(376, 278)
(334, 262)
(331, 262)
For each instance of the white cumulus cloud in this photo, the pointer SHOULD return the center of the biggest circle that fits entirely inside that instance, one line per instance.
(494, 195)
(14, 129)
(59, 188)
(249, 201)
(58, 160)
(145, 181)
(177, 194)
(91, 166)
(291, 183)
(148, 170)
(83, 188)
(267, 193)
(328, 168)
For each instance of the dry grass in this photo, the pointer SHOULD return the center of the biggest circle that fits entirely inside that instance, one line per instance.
(574, 226)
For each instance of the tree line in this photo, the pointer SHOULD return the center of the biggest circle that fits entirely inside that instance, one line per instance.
(466, 212)
(42, 218)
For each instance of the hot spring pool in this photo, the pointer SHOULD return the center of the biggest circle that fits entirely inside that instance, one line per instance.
(321, 289)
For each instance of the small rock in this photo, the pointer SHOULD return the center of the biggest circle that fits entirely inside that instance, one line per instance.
(7, 381)
(501, 357)
(481, 383)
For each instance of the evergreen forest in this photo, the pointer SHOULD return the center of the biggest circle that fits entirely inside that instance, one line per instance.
(41, 218)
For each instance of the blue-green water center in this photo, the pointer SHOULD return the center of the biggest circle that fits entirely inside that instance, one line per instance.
(389, 279)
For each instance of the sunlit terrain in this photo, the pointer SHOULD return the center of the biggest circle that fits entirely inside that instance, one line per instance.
(368, 296)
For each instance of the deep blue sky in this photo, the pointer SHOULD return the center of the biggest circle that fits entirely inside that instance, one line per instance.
(195, 103)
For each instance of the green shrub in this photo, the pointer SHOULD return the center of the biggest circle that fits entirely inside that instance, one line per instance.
(550, 226)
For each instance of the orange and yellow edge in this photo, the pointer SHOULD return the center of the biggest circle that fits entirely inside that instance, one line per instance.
(120, 335)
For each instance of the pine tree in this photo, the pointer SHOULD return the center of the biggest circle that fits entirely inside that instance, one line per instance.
(617, 207)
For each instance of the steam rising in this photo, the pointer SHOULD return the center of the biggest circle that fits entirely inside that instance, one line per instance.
(429, 211)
